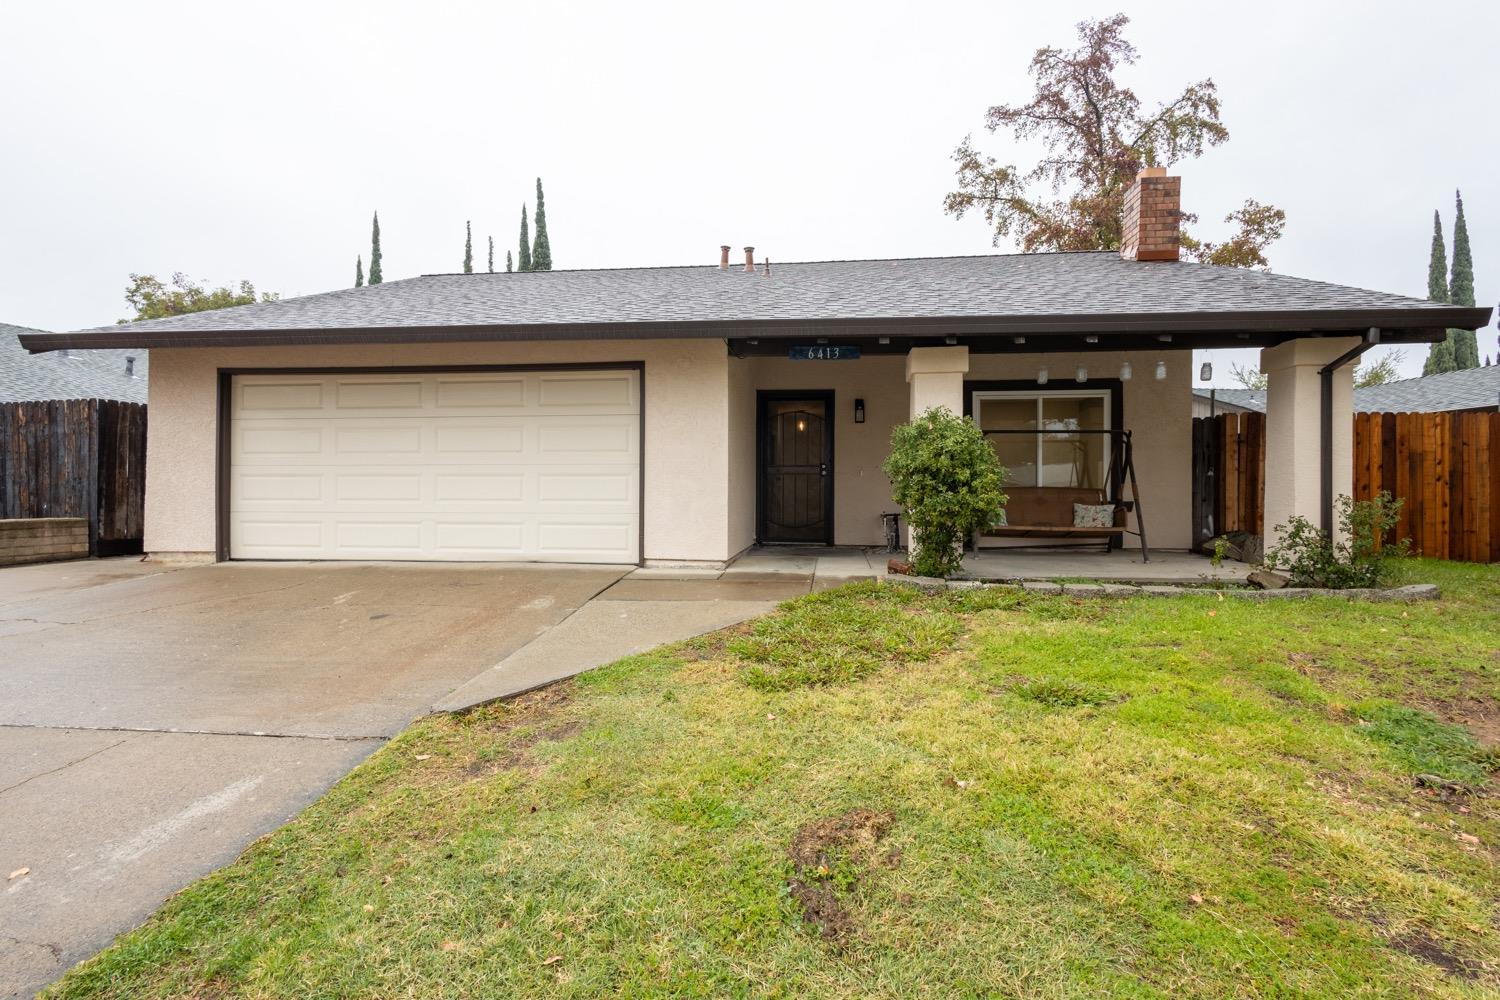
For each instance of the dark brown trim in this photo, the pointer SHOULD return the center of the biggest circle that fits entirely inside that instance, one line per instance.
(830, 447)
(1414, 325)
(225, 408)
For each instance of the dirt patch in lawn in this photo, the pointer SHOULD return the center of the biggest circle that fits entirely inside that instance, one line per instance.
(1424, 948)
(1480, 715)
(833, 855)
(526, 720)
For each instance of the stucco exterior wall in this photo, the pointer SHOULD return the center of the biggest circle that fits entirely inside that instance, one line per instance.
(1294, 429)
(686, 421)
(741, 455)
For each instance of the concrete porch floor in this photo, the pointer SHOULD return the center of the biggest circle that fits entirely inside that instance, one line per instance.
(793, 569)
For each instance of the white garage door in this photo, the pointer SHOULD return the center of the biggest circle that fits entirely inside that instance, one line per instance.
(450, 465)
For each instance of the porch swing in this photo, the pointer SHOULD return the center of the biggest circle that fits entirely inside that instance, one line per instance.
(1047, 511)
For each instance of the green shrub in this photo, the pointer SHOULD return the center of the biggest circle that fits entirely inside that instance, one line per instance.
(1312, 559)
(946, 477)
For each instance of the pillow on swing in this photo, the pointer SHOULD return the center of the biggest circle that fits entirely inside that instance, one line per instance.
(1087, 515)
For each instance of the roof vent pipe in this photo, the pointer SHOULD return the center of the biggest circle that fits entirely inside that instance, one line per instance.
(768, 267)
(724, 257)
(749, 260)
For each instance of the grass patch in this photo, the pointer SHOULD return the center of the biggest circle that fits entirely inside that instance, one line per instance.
(1056, 692)
(1220, 825)
(1424, 745)
(839, 636)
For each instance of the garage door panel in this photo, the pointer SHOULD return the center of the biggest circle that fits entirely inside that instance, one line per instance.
(464, 466)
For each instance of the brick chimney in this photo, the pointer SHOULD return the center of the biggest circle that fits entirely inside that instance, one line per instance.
(1149, 227)
(724, 257)
(749, 260)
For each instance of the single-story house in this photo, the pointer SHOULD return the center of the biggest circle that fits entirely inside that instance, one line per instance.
(1472, 390)
(66, 374)
(680, 415)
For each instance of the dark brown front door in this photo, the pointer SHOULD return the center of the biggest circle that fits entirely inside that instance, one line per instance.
(796, 470)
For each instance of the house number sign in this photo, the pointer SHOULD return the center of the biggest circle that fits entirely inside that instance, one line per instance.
(824, 352)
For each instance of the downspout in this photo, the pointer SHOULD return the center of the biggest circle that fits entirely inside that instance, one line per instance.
(1371, 338)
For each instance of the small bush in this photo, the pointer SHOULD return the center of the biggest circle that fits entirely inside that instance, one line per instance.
(1312, 559)
(1423, 744)
(946, 477)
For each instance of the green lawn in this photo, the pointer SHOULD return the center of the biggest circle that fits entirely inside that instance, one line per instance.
(873, 793)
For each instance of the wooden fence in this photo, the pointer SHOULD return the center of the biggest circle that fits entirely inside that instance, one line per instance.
(1229, 480)
(1445, 465)
(77, 458)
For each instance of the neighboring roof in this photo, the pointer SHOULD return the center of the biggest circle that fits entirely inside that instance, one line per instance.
(1245, 399)
(1469, 389)
(1049, 293)
(86, 375)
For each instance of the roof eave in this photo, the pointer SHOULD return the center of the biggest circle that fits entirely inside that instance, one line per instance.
(1399, 325)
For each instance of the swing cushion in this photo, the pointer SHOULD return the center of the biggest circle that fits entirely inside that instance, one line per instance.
(1047, 511)
(1093, 515)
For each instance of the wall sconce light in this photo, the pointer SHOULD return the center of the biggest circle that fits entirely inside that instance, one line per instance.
(1081, 375)
(1161, 370)
(859, 411)
(1206, 372)
(1125, 371)
(1041, 375)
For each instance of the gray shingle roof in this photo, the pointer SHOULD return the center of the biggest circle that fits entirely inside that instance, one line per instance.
(1012, 293)
(84, 375)
(1470, 389)
(1248, 399)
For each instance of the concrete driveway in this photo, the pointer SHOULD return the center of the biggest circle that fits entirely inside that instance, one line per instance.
(154, 722)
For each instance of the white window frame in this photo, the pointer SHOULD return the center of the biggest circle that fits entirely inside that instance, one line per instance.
(1107, 395)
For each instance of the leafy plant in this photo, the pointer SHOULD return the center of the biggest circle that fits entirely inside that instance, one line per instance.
(947, 478)
(1360, 558)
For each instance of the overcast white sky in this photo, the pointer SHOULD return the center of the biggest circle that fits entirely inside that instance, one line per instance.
(233, 141)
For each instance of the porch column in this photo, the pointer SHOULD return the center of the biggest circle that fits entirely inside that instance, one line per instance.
(1294, 430)
(936, 377)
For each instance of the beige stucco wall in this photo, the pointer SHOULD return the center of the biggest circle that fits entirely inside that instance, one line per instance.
(686, 416)
(700, 431)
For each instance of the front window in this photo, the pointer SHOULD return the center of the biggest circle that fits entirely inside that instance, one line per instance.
(1044, 446)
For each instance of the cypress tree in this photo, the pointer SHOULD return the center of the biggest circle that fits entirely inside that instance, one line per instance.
(1439, 355)
(468, 248)
(541, 248)
(508, 267)
(523, 259)
(359, 271)
(492, 255)
(1461, 289)
(375, 277)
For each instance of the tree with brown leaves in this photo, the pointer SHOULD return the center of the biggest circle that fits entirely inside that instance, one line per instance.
(1098, 137)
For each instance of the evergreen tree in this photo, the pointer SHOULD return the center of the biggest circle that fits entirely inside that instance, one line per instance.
(359, 271)
(508, 265)
(1440, 356)
(1437, 263)
(523, 259)
(492, 255)
(468, 248)
(1461, 289)
(375, 277)
(541, 248)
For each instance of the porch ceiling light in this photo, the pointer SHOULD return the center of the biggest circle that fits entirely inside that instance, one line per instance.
(1081, 375)
(1092, 338)
(950, 340)
(1165, 338)
(1018, 340)
(1125, 371)
(1161, 370)
(1041, 375)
